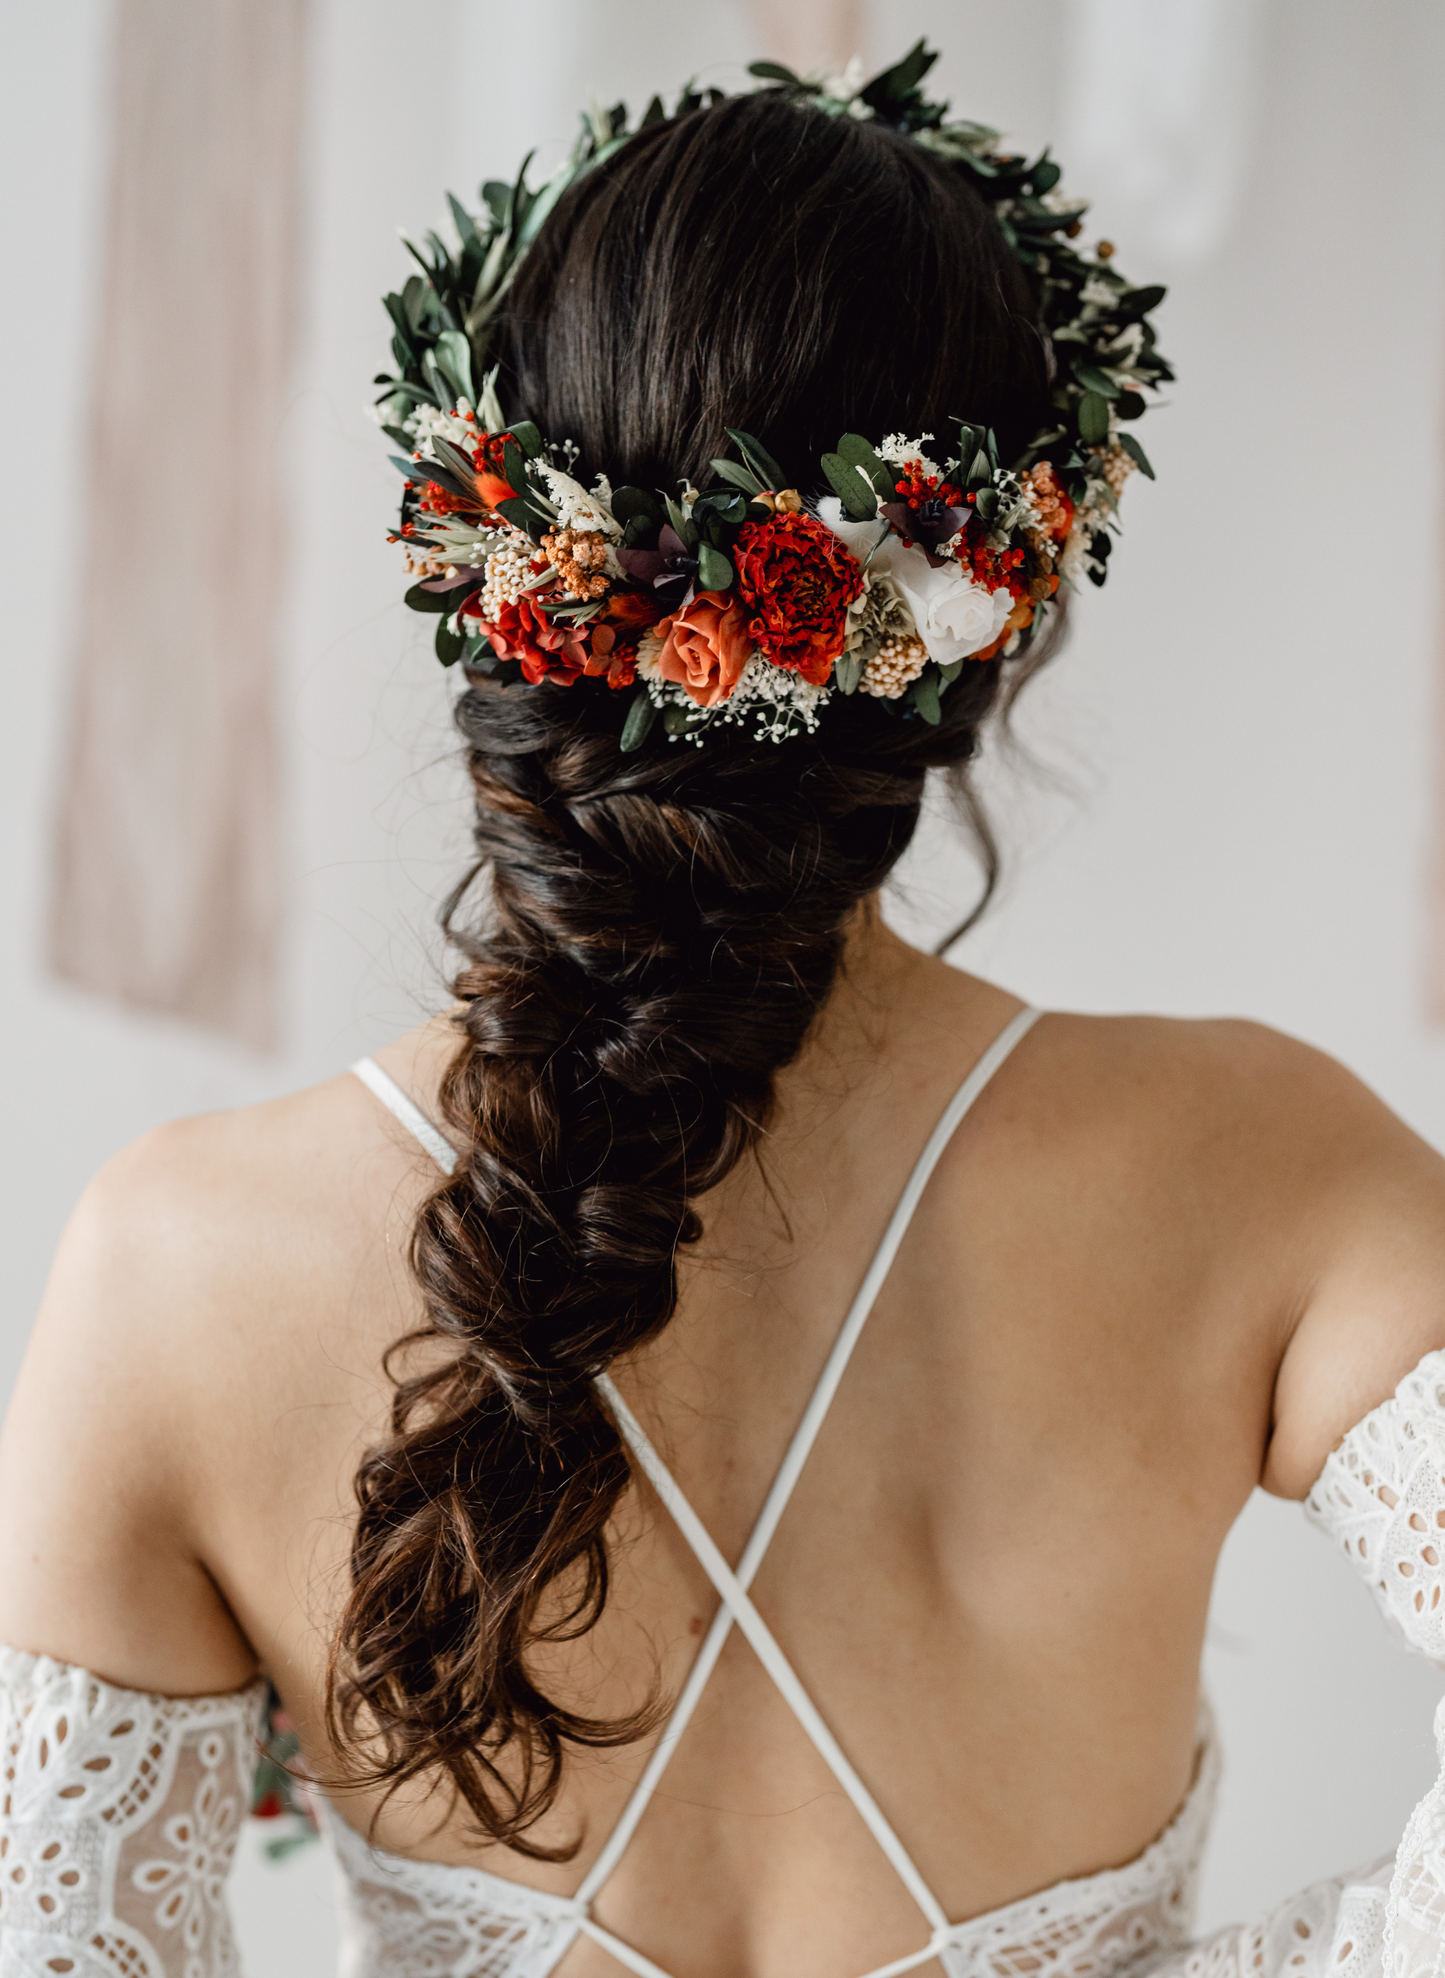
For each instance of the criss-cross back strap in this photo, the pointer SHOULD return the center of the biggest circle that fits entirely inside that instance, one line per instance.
(732, 1587)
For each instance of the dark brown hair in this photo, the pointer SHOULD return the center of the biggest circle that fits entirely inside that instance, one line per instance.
(663, 926)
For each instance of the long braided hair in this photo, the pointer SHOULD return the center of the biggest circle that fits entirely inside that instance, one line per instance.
(659, 928)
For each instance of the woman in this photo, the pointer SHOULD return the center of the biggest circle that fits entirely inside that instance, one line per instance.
(451, 1398)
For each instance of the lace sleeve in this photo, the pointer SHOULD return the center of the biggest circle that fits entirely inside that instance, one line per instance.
(119, 1815)
(1381, 1495)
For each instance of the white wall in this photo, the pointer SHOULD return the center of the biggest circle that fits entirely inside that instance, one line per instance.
(1245, 714)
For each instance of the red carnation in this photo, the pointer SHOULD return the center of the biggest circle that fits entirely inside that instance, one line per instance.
(548, 649)
(796, 581)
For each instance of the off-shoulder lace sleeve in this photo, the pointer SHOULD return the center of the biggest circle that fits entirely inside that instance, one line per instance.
(1381, 1495)
(119, 1815)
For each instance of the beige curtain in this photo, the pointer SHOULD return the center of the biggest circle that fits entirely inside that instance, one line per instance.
(809, 34)
(167, 893)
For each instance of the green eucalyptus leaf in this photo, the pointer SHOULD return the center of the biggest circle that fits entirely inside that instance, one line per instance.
(1093, 418)
(721, 513)
(1130, 405)
(948, 674)
(924, 695)
(774, 72)
(636, 504)
(527, 438)
(848, 672)
(450, 645)
(676, 720)
(640, 717)
(859, 453)
(1137, 454)
(860, 504)
(714, 572)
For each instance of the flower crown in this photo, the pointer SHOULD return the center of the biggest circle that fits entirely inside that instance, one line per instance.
(747, 603)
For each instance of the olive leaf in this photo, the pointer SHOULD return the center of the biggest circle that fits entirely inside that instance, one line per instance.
(1137, 454)
(756, 455)
(775, 72)
(736, 476)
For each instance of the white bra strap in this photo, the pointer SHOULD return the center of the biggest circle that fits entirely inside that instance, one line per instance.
(384, 1087)
(822, 1397)
(768, 1652)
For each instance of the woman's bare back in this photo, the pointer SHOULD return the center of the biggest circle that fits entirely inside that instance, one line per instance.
(1160, 1263)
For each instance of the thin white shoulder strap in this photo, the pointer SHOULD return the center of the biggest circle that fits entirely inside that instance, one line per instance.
(384, 1087)
(862, 1306)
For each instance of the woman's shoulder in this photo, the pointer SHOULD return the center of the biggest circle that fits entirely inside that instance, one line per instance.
(1278, 1162)
(219, 1303)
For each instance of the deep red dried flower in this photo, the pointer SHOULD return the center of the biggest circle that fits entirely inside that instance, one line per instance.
(796, 581)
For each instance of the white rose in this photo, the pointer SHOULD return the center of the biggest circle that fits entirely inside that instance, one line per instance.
(954, 615)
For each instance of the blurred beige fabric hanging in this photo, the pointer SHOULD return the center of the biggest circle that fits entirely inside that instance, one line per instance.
(809, 34)
(167, 890)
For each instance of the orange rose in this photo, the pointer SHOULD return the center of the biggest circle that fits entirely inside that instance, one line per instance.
(705, 647)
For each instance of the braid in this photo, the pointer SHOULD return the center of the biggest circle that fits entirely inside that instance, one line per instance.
(663, 929)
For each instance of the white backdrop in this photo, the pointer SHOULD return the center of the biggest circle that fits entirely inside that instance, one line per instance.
(1239, 738)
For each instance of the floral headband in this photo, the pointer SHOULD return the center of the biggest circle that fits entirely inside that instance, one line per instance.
(747, 603)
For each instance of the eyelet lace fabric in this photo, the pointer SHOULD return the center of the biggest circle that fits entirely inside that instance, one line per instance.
(119, 1818)
(414, 1919)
